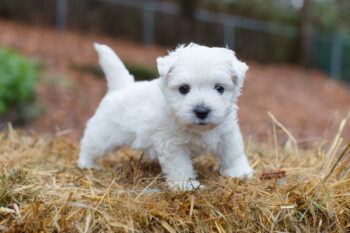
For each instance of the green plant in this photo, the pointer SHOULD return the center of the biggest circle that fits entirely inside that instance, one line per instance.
(139, 72)
(18, 76)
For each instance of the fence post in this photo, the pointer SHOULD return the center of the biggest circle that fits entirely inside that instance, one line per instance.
(148, 23)
(336, 56)
(229, 36)
(61, 14)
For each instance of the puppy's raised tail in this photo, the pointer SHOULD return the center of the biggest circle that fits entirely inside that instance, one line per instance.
(116, 73)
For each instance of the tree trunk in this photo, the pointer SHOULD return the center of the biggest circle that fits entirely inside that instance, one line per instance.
(305, 33)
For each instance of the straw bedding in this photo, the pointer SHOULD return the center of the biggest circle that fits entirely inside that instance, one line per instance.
(42, 190)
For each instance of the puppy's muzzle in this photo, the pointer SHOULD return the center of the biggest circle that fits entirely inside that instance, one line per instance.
(201, 112)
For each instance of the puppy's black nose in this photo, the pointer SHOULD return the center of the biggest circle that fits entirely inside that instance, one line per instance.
(201, 111)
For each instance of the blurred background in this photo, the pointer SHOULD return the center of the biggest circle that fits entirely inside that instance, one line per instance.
(298, 52)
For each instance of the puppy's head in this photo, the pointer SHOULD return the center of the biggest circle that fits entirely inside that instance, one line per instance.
(201, 84)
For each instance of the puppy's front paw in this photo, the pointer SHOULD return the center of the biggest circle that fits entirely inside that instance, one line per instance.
(237, 172)
(184, 185)
(90, 165)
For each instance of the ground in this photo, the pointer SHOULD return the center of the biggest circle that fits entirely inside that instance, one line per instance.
(41, 190)
(306, 101)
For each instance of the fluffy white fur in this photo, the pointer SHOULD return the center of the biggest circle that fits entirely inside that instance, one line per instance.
(155, 117)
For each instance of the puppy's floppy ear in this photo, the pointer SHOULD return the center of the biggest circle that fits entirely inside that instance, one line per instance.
(238, 69)
(166, 63)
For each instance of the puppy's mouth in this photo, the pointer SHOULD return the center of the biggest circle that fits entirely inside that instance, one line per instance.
(202, 125)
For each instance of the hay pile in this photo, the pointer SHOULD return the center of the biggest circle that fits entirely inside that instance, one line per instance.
(41, 189)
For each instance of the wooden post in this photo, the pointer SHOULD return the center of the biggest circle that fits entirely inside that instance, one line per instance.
(229, 36)
(61, 14)
(148, 23)
(305, 33)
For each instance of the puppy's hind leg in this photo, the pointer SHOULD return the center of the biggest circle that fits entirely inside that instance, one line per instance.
(90, 151)
(98, 140)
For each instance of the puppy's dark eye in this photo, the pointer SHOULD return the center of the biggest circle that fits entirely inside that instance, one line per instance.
(184, 89)
(219, 88)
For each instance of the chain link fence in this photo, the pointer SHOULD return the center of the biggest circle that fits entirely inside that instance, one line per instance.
(331, 53)
(161, 22)
(259, 40)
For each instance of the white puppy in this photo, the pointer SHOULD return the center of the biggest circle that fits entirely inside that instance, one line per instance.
(189, 111)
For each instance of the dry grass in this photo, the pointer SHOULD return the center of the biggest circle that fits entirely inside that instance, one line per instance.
(41, 189)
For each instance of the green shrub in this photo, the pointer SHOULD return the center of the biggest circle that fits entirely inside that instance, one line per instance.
(142, 72)
(18, 76)
(139, 72)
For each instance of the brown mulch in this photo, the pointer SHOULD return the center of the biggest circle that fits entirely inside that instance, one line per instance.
(307, 102)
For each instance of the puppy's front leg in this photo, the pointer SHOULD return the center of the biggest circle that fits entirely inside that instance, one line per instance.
(177, 166)
(233, 160)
